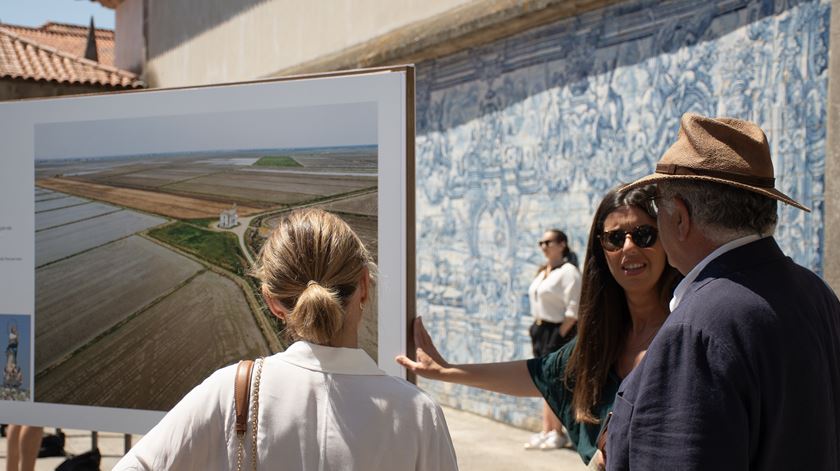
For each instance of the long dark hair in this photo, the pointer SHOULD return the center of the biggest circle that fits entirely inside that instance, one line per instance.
(603, 317)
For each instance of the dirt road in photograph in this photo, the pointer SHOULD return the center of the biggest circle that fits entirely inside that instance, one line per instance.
(179, 207)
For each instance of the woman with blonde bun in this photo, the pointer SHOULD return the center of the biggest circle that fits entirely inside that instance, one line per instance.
(323, 403)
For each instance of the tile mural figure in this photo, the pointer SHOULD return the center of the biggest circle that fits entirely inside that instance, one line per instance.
(530, 131)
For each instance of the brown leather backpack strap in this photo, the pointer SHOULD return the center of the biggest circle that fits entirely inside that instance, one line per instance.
(242, 394)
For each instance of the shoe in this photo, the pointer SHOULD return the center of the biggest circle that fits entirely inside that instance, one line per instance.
(52, 445)
(553, 441)
(536, 441)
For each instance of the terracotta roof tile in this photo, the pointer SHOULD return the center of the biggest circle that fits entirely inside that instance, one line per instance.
(112, 4)
(71, 39)
(25, 58)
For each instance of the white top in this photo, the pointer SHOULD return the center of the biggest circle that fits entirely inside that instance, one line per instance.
(556, 296)
(320, 408)
(682, 287)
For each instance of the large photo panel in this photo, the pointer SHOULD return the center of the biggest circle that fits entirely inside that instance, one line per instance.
(144, 212)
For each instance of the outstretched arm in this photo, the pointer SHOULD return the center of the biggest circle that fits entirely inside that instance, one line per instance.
(510, 377)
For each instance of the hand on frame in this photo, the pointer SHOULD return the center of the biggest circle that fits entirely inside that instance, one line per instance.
(428, 361)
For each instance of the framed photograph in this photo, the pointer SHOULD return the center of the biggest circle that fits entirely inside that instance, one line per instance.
(133, 219)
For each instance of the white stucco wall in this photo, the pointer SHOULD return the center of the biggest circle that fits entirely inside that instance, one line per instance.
(194, 42)
(129, 50)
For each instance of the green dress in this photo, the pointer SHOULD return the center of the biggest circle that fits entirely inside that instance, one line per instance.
(547, 374)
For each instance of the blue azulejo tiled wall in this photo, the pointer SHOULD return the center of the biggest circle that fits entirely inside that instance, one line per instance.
(529, 132)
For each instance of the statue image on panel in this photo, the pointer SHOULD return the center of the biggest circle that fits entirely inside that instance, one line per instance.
(17, 349)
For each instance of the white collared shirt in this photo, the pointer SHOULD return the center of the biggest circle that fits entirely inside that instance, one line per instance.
(682, 287)
(556, 296)
(320, 408)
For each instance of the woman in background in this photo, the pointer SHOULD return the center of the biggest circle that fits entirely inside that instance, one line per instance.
(554, 296)
(323, 403)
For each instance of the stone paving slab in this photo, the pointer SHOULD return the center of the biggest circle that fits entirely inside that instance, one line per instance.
(481, 444)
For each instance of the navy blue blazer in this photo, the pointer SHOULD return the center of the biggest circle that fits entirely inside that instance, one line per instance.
(743, 375)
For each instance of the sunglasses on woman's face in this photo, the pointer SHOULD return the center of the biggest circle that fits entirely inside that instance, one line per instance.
(643, 236)
(546, 243)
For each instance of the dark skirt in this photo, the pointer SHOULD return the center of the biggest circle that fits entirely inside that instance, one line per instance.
(545, 337)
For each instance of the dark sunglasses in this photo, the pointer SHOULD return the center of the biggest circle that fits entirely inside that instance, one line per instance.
(643, 236)
(547, 243)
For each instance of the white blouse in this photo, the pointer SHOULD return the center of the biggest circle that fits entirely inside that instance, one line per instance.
(320, 408)
(556, 296)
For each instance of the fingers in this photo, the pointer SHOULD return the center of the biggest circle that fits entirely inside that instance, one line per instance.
(421, 357)
(421, 338)
(423, 365)
(419, 331)
(421, 335)
(406, 362)
(414, 366)
(427, 359)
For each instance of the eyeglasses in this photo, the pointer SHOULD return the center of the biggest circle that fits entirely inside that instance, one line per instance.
(546, 243)
(656, 203)
(643, 236)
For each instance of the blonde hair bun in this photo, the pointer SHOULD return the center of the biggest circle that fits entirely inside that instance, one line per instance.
(319, 247)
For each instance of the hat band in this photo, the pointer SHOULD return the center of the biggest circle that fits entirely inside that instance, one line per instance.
(673, 169)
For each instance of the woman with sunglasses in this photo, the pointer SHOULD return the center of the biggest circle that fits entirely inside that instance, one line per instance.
(624, 300)
(554, 296)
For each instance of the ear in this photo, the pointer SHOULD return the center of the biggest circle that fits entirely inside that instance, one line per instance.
(275, 306)
(364, 285)
(682, 219)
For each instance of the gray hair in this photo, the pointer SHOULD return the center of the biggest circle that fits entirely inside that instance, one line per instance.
(723, 212)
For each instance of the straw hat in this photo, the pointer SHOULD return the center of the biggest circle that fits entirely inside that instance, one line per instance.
(722, 150)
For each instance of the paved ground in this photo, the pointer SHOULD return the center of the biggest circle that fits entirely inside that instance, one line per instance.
(486, 445)
(481, 444)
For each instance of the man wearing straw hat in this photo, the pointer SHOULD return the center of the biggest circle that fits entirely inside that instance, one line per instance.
(745, 372)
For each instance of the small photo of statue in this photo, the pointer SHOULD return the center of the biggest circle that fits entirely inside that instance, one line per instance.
(16, 338)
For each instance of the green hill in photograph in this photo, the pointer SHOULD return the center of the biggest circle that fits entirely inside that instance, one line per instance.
(218, 248)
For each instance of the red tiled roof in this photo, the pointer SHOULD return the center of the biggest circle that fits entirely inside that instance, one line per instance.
(25, 58)
(71, 39)
(112, 4)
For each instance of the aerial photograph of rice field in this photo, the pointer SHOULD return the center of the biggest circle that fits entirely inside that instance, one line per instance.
(141, 281)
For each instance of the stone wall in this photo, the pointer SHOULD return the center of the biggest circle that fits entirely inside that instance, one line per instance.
(528, 132)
